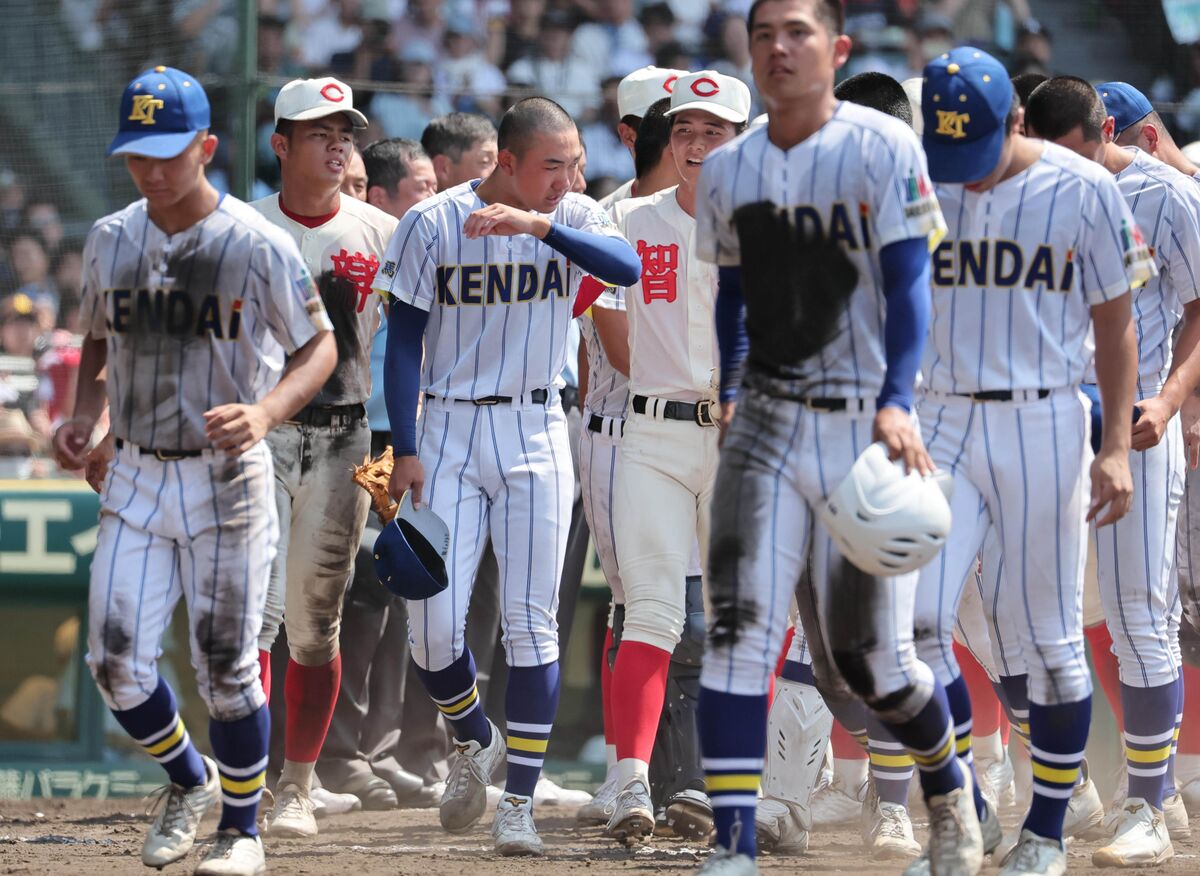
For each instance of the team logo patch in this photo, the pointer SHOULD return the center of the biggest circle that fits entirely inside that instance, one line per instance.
(705, 87)
(669, 84)
(952, 124)
(389, 269)
(1139, 260)
(333, 93)
(144, 106)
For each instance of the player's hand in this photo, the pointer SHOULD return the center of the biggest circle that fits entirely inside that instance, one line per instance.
(1154, 414)
(407, 474)
(236, 428)
(504, 221)
(894, 427)
(71, 441)
(728, 409)
(1189, 419)
(95, 468)
(1112, 485)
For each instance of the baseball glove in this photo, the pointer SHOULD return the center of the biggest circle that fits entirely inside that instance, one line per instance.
(373, 477)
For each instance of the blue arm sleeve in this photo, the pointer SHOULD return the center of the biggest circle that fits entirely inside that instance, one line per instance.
(731, 330)
(609, 259)
(905, 265)
(402, 374)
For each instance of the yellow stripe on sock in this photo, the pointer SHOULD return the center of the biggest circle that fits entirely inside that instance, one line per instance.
(233, 786)
(459, 706)
(891, 760)
(1157, 755)
(732, 782)
(1050, 774)
(170, 742)
(522, 744)
(938, 756)
(863, 740)
(962, 746)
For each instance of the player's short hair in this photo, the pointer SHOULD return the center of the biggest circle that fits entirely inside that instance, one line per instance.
(455, 133)
(1062, 104)
(1025, 83)
(653, 136)
(529, 117)
(877, 91)
(829, 12)
(388, 161)
(1130, 135)
(284, 128)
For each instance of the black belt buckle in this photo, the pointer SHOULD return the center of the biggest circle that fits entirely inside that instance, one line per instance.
(172, 455)
(704, 416)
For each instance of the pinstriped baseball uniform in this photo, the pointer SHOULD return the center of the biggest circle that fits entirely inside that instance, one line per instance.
(192, 320)
(1013, 284)
(861, 181)
(499, 309)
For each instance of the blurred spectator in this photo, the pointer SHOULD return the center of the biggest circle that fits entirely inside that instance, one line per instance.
(607, 155)
(522, 30)
(934, 35)
(19, 328)
(42, 217)
(407, 115)
(338, 29)
(273, 58)
(67, 271)
(615, 44)
(56, 369)
(422, 21)
(689, 20)
(31, 266)
(468, 81)
(658, 23)
(19, 445)
(369, 59)
(735, 51)
(975, 22)
(210, 31)
(554, 71)
(675, 56)
(12, 200)
(400, 173)
(1034, 51)
(462, 147)
(354, 183)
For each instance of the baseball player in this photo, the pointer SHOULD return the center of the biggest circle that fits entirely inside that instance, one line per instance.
(191, 301)
(1135, 558)
(668, 454)
(354, 182)
(604, 330)
(839, 192)
(636, 93)
(321, 513)
(485, 273)
(1003, 413)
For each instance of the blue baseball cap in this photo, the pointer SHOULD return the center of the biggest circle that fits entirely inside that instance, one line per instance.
(1124, 103)
(410, 552)
(161, 112)
(965, 99)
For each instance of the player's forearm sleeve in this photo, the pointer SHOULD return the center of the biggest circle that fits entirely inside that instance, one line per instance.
(732, 342)
(905, 265)
(610, 259)
(402, 374)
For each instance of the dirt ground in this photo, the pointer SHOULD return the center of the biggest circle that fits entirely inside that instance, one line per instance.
(63, 836)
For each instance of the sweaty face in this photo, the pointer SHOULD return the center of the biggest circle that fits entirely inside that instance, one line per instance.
(694, 134)
(546, 168)
(354, 183)
(478, 162)
(792, 53)
(164, 182)
(318, 152)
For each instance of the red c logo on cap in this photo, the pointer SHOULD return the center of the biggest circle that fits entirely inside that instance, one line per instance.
(669, 83)
(332, 92)
(705, 87)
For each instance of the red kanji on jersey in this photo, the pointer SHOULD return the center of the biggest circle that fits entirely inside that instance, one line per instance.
(359, 270)
(659, 266)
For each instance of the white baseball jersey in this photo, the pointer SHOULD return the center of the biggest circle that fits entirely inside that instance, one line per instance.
(672, 333)
(195, 319)
(608, 388)
(1166, 206)
(861, 180)
(621, 193)
(498, 306)
(1019, 270)
(343, 253)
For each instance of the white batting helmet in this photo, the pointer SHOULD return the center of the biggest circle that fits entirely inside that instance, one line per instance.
(887, 522)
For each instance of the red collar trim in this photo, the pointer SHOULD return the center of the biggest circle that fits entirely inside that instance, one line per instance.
(307, 221)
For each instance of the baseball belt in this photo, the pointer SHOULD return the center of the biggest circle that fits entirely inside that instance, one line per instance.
(537, 396)
(160, 455)
(314, 415)
(614, 427)
(700, 413)
(1004, 395)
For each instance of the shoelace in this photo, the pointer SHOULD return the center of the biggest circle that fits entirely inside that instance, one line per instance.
(292, 803)
(513, 818)
(890, 825)
(223, 845)
(175, 805)
(1027, 856)
(625, 792)
(944, 827)
(461, 772)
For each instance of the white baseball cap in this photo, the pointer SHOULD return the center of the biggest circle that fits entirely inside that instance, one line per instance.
(303, 100)
(724, 96)
(641, 89)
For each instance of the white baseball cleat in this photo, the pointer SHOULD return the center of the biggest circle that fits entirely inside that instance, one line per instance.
(1085, 812)
(1035, 856)
(834, 803)
(1141, 838)
(887, 831)
(632, 819)
(326, 802)
(465, 799)
(178, 812)
(547, 793)
(514, 830)
(293, 815)
(990, 832)
(599, 809)
(778, 828)
(233, 854)
(995, 779)
(1176, 817)
(723, 862)
(955, 840)
(690, 815)
(1190, 792)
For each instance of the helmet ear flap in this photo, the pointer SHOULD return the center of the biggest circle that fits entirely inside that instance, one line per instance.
(885, 521)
